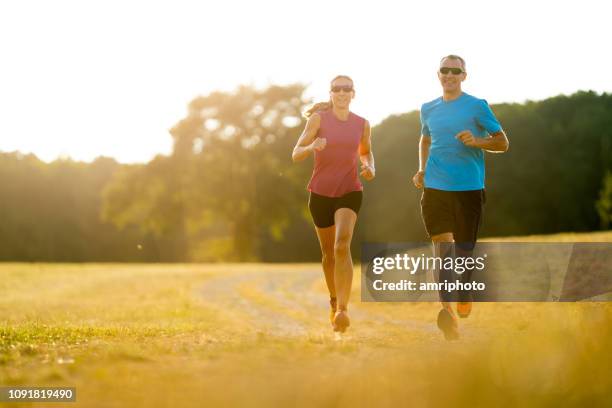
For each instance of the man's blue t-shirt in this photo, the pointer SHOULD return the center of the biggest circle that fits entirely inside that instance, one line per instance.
(451, 165)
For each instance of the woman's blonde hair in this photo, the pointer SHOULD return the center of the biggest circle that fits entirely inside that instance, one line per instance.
(321, 106)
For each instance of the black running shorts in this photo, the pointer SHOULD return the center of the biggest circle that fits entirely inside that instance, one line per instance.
(323, 208)
(459, 212)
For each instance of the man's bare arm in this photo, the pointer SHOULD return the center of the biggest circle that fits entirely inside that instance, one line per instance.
(496, 142)
(424, 145)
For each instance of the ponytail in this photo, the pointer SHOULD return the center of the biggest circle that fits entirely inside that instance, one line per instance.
(319, 106)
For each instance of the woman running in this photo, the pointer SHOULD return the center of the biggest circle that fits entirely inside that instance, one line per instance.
(339, 139)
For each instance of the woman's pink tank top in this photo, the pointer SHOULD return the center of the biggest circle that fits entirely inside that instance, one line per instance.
(335, 167)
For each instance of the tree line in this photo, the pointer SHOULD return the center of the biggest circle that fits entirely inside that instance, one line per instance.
(230, 192)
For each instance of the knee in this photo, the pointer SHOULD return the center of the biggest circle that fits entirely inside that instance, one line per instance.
(342, 247)
(443, 244)
(444, 237)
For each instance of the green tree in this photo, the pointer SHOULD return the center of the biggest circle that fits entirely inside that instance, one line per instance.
(228, 184)
(604, 204)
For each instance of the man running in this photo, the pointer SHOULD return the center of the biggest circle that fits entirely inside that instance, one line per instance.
(456, 129)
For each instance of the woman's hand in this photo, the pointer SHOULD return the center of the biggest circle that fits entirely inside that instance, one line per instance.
(367, 172)
(318, 144)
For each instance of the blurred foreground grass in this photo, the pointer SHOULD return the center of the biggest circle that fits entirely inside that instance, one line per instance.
(258, 335)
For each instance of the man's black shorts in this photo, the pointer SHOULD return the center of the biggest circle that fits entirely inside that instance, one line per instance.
(459, 212)
(323, 208)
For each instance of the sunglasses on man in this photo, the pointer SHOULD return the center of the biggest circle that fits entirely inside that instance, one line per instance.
(454, 71)
(345, 88)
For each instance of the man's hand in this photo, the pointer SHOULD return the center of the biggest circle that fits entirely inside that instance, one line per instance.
(367, 172)
(318, 144)
(467, 138)
(418, 179)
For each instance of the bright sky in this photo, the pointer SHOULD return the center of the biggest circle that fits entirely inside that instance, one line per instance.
(83, 79)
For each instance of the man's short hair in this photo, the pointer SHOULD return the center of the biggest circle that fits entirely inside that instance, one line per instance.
(454, 57)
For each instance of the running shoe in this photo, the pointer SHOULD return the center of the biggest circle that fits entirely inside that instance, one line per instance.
(341, 321)
(447, 322)
(464, 305)
(464, 309)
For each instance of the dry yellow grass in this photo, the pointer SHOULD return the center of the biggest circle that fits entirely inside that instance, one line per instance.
(599, 236)
(257, 335)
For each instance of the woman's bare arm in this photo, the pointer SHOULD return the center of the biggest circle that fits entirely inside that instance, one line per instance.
(308, 140)
(365, 153)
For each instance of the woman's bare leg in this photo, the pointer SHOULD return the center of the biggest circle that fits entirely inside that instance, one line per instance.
(345, 220)
(327, 238)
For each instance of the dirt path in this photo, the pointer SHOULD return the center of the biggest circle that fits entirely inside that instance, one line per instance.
(293, 303)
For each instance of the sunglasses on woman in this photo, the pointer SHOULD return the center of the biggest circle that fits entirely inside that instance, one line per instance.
(345, 88)
(454, 71)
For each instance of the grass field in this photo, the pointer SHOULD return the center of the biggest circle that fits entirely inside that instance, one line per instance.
(196, 335)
